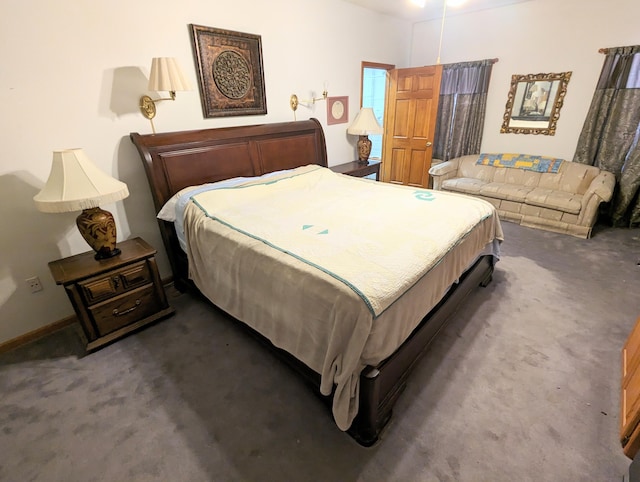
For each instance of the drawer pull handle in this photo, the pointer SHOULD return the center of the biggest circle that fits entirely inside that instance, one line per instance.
(116, 281)
(129, 310)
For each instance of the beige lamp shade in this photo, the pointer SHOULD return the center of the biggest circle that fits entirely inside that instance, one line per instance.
(75, 183)
(365, 124)
(166, 75)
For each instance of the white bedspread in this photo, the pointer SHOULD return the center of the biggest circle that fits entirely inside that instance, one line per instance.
(335, 270)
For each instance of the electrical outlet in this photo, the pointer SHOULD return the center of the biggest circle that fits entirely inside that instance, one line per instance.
(34, 284)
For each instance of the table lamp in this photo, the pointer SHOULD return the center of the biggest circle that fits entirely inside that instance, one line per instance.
(75, 183)
(365, 124)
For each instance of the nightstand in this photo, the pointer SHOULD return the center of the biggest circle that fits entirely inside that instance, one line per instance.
(114, 296)
(358, 169)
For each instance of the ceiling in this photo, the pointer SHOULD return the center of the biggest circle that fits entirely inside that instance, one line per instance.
(406, 10)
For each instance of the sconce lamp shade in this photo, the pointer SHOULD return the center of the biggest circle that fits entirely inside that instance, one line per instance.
(75, 183)
(166, 75)
(365, 124)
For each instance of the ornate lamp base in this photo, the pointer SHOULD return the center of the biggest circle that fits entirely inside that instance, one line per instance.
(364, 149)
(99, 230)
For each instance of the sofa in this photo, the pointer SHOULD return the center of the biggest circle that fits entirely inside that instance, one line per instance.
(546, 193)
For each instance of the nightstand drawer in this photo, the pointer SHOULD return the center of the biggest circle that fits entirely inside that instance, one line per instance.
(115, 282)
(125, 309)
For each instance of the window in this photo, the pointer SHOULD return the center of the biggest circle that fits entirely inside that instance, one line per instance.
(373, 89)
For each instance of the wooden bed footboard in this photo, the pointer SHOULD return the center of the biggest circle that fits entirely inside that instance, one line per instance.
(380, 386)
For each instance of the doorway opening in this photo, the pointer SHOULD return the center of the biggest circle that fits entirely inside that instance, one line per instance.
(372, 94)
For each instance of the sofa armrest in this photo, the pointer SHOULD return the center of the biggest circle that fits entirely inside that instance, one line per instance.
(600, 190)
(602, 186)
(443, 171)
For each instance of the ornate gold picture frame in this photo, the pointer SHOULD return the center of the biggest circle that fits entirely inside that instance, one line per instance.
(230, 73)
(534, 103)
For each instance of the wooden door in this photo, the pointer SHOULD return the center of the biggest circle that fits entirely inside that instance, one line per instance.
(410, 124)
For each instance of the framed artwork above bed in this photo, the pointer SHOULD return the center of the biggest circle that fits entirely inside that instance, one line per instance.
(230, 72)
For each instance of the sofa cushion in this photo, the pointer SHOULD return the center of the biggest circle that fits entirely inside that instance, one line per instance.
(562, 201)
(465, 185)
(517, 176)
(510, 192)
(467, 167)
(573, 177)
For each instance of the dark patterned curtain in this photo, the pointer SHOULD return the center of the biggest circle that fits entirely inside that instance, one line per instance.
(461, 108)
(609, 138)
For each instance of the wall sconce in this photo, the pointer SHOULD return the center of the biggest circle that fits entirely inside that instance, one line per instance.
(294, 101)
(75, 183)
(165, 76)
(364, 124)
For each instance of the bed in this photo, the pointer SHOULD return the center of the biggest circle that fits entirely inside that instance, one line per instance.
(316, 304)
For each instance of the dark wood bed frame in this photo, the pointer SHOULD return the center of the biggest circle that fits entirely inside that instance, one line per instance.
(176, 160)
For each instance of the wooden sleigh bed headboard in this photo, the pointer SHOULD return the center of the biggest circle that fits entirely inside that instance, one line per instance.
(175, 160)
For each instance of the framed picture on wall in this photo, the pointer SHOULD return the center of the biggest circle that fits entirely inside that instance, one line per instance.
(534, 103)
(230, 72)
(337, 110)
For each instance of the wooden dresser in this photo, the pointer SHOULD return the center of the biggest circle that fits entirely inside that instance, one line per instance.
(114, 296)
(630, 396)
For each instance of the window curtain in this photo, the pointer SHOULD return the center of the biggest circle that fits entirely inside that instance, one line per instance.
(461, 108)
(609, 137)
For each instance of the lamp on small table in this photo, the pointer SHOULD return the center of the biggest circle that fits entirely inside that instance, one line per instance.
(75, 183)
(364, 124)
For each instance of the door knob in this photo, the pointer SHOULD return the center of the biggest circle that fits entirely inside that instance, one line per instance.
(429, 144)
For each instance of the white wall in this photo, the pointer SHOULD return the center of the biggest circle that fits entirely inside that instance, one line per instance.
(537, 36)
(72, 73)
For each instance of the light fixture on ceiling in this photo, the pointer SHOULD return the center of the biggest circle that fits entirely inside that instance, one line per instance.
(444, 14)
(451, 3)
(165, 76)
(75, 183)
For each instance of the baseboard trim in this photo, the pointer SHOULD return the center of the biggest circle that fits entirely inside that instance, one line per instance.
(51, 328)
(36, 334)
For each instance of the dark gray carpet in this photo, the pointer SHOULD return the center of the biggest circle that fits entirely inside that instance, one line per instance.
(523, 385)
